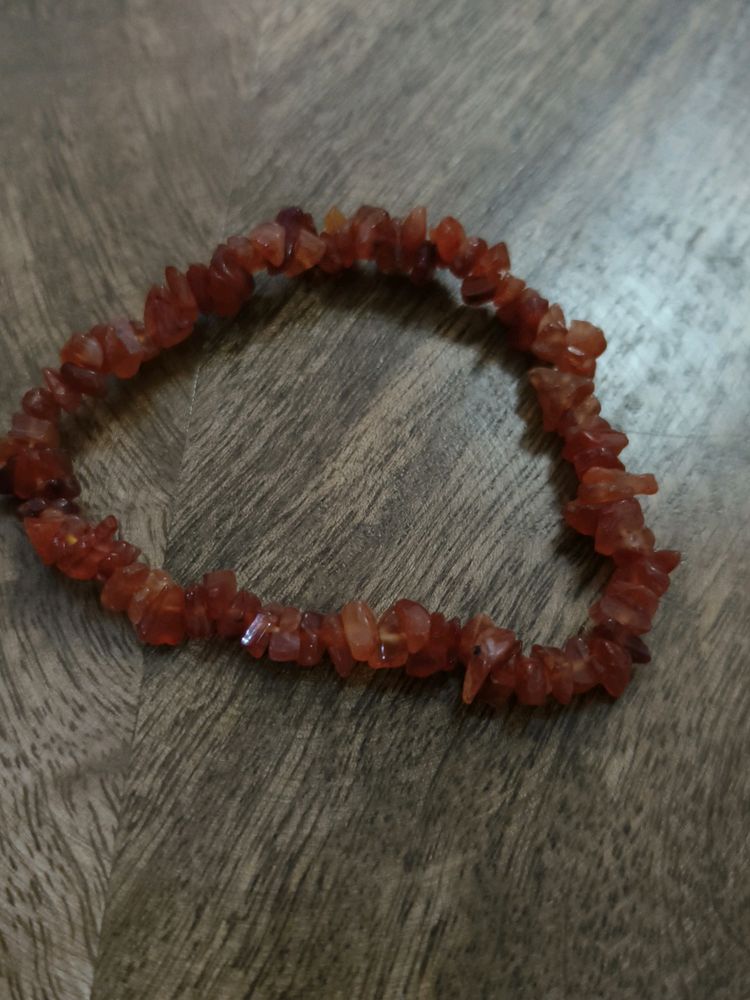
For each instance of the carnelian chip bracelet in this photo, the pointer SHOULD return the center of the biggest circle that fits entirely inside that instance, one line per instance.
(35, 469)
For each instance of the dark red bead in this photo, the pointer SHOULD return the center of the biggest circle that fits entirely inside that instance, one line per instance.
(84, 380)
(425, 262)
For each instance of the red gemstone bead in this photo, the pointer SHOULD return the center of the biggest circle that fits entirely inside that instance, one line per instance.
(558, 392)
(258, 633)
(82, 563)
(199, 279)
(643, 569)
(339, 253)
(522, 318)
(229, 285)
(123, 585)
(634, 646)
(310, 641)
(483, 646)
(391, 649)
(269, 239)
(583, 414)
(620, 527)
(667, 560)
(284, 646)
(221, 587)
(246, 254)
(360, 629)
(84, 350)
(494, 260)
(551, 330)
(334, 641)
(532, 686)
(448, 237)
(40, 403)
(414, 230)
(35, 506)
(425, 261)
(414, 621)
(441, 650)
(630, 604)
(123, 349)
(84, 380)
(156, 581)
(182, 296)
(591, 435)
(198, 624)
(508, 290)
(365, 225)
(149, 347)
(500, 684)
(595, 458)
(80, 559)
(592, 443)
(582, 517)
(604, 486)
(335, 221)
(465, 258)
(558, 671)
(385, 251)
(573, 350)
(294, 221)
(476, 289)
(162, 622)
(42, 532)
(45, 472)
(170, 312)
(66, 398)
(582, 668)
(308, 251)
(587, 338)
(107, 528)
(237, 615)
(469, 635)
(612, 664)
(74, 536)
(32, 432)
(121, 553)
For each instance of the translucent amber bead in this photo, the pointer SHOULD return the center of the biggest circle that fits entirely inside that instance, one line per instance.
(310, 641)
(334, 641)
(391, 649)
(360, 629)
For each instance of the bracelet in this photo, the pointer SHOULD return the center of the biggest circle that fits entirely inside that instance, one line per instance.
(38, 472)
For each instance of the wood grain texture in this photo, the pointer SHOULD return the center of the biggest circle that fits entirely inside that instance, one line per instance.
(186, 824)
(97, 171)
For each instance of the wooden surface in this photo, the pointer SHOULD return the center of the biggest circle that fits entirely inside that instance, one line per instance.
(187, 824)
